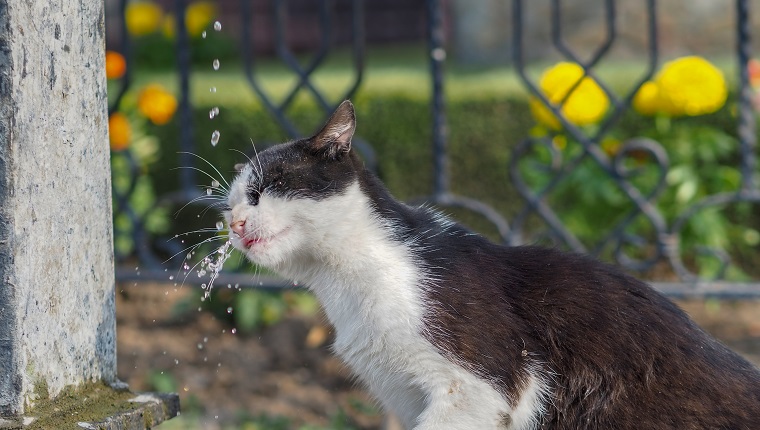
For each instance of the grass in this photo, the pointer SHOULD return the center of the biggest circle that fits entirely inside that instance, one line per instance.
(388, 70)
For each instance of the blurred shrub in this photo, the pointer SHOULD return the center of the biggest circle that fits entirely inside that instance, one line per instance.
(249, 309)
(483, 132)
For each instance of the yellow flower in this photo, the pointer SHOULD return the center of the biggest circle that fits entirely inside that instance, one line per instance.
(647, 99)
(691, 86)
(116, 65)
(586, 104)
(142, 17)
(198, 16)
(157, 104)
(119, 131)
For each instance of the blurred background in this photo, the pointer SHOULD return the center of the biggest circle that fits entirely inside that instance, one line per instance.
(621, 129)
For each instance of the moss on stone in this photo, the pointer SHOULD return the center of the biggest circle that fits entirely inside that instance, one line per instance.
(90, 402)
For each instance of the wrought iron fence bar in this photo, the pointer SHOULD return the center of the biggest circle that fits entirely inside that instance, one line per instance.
(188, 178)
(288, 58)
(235, 280)
(437, 55)
(712, 289)
(621, 239)
(747, 116)
(248, 54)
(358, 46)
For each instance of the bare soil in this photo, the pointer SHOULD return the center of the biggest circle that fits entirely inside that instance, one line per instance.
(287, 370)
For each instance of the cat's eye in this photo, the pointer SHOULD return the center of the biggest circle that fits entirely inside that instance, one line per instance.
(253, 193)
(253, 197)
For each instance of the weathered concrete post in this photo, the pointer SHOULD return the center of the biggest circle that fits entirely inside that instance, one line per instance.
(57, 321)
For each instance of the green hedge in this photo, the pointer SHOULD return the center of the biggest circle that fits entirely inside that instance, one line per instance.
(483, 131)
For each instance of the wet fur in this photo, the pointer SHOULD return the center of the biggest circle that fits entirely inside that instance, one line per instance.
(451, 331)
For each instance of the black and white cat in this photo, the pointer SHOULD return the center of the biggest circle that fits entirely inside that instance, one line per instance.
(451, 331)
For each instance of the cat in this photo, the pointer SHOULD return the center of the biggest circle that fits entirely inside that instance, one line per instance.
(450, 331)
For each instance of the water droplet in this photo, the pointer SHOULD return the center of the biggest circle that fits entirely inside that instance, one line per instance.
(205, 339)
(233, 331)
(203, 35)
(212, 89)
(219, 225)
(215, 64)
(200, 346)
(213, 112)
(215, 137)
(229, 310)
(209, 191)
(217, 26)
(215, 184)
(176, 361)
(171, 277)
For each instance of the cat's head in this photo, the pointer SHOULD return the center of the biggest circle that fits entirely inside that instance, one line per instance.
(285, 199)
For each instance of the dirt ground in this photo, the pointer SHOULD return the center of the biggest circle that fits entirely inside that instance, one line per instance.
(228, 380)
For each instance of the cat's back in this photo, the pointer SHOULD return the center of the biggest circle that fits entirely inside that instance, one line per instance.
(612, 352)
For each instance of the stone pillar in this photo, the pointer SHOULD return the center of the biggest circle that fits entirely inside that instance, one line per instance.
(57, 322)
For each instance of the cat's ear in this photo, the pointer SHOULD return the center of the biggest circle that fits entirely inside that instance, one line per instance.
(335, 137)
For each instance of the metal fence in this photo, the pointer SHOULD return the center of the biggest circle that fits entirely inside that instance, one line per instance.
(661, 245)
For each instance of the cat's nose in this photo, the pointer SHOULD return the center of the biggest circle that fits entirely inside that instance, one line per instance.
(238, 227)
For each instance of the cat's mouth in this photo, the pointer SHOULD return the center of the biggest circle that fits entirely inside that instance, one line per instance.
(250, 242)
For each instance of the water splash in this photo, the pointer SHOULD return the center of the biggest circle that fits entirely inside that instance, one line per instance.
(213, 264)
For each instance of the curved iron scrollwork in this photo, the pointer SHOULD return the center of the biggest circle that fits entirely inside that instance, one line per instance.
(442, 195)
(303, 72)
(641, 237)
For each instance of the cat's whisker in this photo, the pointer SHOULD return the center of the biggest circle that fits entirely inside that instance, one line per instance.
(191, 248)
(244, 155)
(210, 164)
(261, 169)
(215, 205)
(197, 199)
(200, 230)
(213, 179)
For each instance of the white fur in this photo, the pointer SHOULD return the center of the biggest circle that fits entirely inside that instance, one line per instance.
(371, 289)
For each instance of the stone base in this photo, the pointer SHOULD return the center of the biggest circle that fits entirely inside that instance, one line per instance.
(98, 407)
